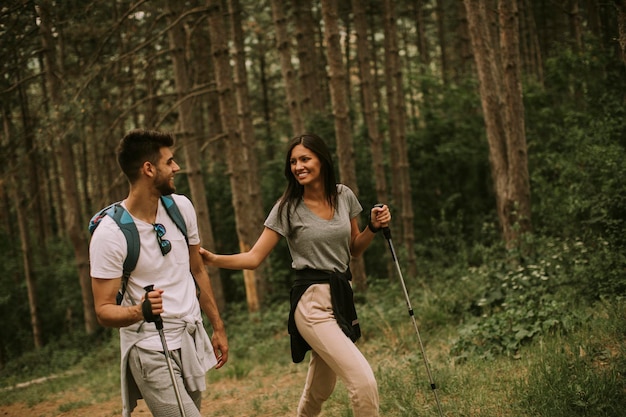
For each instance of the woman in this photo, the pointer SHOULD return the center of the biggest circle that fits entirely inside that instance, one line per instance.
(318, 217)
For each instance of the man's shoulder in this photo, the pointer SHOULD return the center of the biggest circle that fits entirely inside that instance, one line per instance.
(181, 200)
(106, 225)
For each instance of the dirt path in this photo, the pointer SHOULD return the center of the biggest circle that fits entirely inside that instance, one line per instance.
(255, 396)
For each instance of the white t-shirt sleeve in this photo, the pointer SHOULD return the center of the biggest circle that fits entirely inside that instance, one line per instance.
(107, 250)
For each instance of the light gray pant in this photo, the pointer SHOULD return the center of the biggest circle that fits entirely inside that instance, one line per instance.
(149, 368)
(334, 354)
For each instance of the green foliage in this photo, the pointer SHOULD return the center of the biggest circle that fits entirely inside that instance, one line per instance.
(520, 302)
(451, 178)
(55, 357)
(577, 149)
(59, 302)
(582, 376)
(13, 301)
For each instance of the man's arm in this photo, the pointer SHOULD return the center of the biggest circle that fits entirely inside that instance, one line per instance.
(209, 306)
(110, 314)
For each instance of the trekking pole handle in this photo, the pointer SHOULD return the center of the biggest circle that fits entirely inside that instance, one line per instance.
(386, 230)
(157, 319)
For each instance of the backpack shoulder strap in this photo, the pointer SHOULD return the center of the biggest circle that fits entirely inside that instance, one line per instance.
(126, 224)
(128, 227)
(175, 214)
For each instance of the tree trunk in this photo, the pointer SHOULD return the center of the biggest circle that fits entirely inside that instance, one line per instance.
(191, 150)
(534, 60)
(621, 24)
(29, 276)
(343, 131)
(518, 187)
(310, 87)
(74, 227)
(238, 170)
(270, 149)
(249, 140)
(283, 46)
(441, 37)
(463, 46)
(15, 191)
(575, 24)
(397, 135)
(203, 76)
(369, 101)
(505, 139)
(422, 39)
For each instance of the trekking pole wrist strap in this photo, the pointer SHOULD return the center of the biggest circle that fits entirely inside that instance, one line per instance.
(372, 228)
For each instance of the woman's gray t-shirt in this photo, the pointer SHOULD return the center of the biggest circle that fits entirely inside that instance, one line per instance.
(315, 242)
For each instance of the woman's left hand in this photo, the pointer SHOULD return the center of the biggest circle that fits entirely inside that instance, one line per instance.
(380, 216)
(207, 257)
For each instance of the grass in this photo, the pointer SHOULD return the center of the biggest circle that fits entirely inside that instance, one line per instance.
(580, 373)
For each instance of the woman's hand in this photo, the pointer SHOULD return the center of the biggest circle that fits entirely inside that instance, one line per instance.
(208, 258)
(380, 216)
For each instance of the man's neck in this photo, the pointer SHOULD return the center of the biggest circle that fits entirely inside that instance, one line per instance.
(142, 205)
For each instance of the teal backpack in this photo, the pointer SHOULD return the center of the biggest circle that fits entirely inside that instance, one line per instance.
(128, 228)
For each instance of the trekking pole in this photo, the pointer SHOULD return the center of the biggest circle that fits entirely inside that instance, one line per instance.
(168, 358)
(387, 234)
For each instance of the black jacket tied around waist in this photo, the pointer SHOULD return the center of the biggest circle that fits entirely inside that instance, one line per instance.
(342, 301)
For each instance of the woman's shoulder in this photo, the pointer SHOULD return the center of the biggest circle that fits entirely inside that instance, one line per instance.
(342, 188)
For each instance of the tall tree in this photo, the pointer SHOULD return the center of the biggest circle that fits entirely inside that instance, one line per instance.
(244, 209)
(343, 127)
(205, 119)
(396, 110)
(312, 98)
(63, 147)
(441, 38)
(191, 150)
(517, 208)
(500, 88)
(422, 39)
(248, 138)
(368, 97)
(283, 45)
(620, 5)
(16, 193)
(529, 42)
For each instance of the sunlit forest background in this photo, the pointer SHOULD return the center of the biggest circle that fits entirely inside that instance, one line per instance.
(494, 129)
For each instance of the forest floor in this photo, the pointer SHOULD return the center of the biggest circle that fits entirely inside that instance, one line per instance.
(256, 396)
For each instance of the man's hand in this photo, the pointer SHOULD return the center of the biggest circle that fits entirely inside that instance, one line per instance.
(220, 346)
(152, 305)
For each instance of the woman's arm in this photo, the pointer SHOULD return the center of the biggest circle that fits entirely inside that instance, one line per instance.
(244, 260)
(379, 217)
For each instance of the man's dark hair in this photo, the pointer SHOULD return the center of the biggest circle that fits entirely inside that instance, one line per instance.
(139, 146)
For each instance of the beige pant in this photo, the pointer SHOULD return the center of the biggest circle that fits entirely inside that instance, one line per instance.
(334, 354)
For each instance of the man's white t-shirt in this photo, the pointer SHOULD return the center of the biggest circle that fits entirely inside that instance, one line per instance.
(170, 272)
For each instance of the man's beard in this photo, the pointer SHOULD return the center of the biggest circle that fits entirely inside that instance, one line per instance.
(164, 186)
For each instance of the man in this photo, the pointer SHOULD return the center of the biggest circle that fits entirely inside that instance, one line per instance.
(170, 263)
